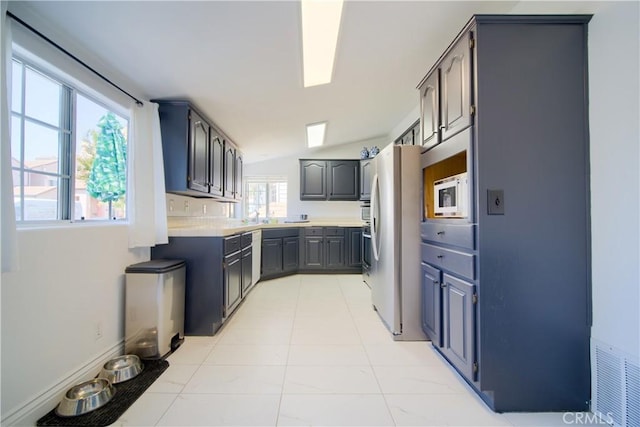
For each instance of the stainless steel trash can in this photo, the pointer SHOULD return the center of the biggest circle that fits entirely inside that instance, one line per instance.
(154, 307)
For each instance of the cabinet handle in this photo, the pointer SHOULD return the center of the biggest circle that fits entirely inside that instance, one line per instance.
(440, 233)
(443, 127)
(440, 256)
(443, 285)
(435, 282)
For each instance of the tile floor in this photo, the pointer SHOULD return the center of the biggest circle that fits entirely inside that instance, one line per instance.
(309, 350)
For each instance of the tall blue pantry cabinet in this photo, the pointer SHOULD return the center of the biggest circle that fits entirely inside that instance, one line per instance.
(506, 285)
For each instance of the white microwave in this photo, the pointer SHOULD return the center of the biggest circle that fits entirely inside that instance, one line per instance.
(451, 196)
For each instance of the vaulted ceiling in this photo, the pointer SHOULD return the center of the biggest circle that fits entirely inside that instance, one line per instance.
(240, 62)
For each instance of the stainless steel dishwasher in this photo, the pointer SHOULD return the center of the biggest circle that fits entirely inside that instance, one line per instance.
(256, 247)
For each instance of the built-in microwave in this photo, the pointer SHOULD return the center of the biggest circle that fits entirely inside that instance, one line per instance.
(451, 195)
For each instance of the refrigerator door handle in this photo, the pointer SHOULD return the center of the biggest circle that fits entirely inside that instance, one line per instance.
(375, 221)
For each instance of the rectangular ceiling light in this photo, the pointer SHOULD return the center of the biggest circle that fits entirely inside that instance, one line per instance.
(320, 25)
(315, 134)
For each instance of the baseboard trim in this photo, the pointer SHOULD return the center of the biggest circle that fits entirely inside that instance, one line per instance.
(33, 409)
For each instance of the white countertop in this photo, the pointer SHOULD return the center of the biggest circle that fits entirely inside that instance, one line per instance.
(199, 228)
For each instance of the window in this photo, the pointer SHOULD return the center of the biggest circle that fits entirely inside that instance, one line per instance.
(69, 151)
(265, 197)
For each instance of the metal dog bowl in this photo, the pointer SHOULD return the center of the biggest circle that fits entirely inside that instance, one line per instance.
(86, 397)
(121, 368)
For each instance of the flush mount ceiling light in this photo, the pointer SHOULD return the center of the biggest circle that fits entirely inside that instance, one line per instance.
(315, 134)
(320, 25)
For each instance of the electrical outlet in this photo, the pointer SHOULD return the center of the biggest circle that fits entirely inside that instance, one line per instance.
(186, 206)
(98, 330)
(204, 208)
(171, 207)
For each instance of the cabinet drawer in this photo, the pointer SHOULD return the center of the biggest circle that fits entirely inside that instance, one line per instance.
(246, 240)
(457, 262)
(275, 233)
(334, 231)
(313, 231)
(451, 234)
(231, 244)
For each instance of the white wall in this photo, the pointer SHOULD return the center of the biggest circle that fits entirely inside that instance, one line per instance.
(614, 94)
(70, 282)
(289, 167)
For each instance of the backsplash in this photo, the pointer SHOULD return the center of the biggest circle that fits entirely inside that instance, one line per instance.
(183, 206)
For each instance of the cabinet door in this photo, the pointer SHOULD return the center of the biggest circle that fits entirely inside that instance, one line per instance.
(247, 255)
(431, 304)
(456, 88)
(232, 282)
(216, 163)
(271, 256)
(290, 253)
(458, 323)
(430, 108)
(237, 184)
(313, 253)
(198, 154)
(313, 180)
(355, 247)
(365, 179)
(343, 180)
(335, 253)
(229, 169)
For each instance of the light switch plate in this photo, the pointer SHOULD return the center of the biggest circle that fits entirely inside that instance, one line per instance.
(495, 202)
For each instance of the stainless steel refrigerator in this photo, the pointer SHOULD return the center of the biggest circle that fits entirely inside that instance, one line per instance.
(395, 239)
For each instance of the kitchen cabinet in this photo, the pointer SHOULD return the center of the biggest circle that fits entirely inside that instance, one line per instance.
(331, 249)
(204, 289)
(335, 251)
(290, 253)
(196, 158)
(232, 281)
(198, 178)
(216, 163)
(455, 71)
(313, 180)
(271, 256)
(329, 179)
(354, 247)
(247, 262)
(365, 180)
(458, 324)
(430, 108)
(237, 181)
(343, 179)
(410, 136)
(280, 251)
(512, 314)
(431, 303)
(218, 277)
(229, 170)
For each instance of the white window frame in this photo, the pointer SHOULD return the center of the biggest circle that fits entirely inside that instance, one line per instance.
(263, 180)
(67, 155)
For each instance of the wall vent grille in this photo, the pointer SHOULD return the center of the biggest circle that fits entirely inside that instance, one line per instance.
(633, 394)
(616, 386)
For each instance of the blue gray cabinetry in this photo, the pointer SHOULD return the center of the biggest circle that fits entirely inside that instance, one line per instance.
(329, 249)
(311, 250)
(199, 160)
(217, 270)
(365, 180)
(506, 293)
(280, 251)
(232, 269)
(329, 179)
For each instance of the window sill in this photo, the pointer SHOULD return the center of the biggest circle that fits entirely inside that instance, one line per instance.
(56, 225)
